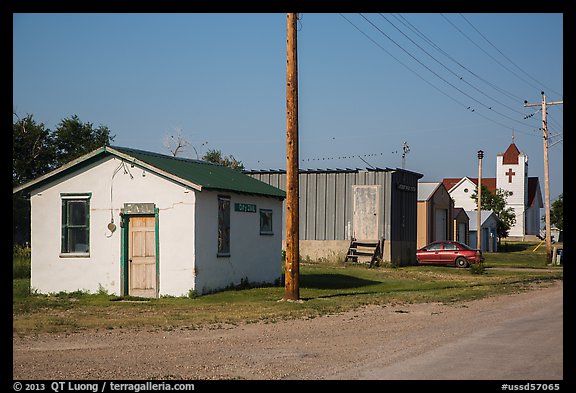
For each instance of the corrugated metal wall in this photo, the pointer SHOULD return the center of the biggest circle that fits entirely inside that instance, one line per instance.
(326, 201)
(403, 222)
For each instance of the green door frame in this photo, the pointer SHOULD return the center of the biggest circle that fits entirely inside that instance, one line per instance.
(124, 242)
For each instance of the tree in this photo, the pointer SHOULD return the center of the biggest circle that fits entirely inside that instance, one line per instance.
(176, 144)
(33, 151)
(33, 155)
(497, 203)
(557, 213)
(73, 138)
(216, 157)
(36, 151)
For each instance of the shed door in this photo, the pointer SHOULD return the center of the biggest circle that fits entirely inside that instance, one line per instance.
(365, 218)
(142, 257)
(441, 224)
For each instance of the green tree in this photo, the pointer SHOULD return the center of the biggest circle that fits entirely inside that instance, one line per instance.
(216, 157)
(497, 203)
(33, 154)
(36, 151)
(73, 138)
(33, 151)
(557, 213)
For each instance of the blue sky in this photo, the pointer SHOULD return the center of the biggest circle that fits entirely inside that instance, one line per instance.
(455, 86)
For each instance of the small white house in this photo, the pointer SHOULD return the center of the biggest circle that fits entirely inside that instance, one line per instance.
(139, 223)
(489, 227)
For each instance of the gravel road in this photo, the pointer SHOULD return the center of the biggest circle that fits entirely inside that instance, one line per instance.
(394, 341)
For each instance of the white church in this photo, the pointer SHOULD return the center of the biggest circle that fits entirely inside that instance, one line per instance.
(511, 175)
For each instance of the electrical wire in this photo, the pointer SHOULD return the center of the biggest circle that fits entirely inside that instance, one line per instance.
(506, 57)
(438, 75)
(452, 72)
(416, 31)
(460, 103)
(488, 54)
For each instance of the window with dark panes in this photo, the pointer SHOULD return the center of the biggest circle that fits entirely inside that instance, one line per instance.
(223, 226)
(75, 224)
(266, 222)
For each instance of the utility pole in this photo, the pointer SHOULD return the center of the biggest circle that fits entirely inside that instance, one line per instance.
(546, 177)
(479, 218)
(292, 266)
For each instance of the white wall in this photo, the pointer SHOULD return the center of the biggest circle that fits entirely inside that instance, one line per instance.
(462, 198)
(54, 273)
(252, 256)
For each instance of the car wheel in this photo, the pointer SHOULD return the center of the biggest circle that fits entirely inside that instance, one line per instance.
(461, 262)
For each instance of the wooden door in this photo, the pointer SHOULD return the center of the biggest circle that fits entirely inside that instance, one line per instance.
(142, 280)
(365, 218)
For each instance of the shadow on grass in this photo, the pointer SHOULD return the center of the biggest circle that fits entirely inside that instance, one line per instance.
(334, 281)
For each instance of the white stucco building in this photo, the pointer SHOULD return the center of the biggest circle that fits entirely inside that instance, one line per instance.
(138, 223)
(511, 175)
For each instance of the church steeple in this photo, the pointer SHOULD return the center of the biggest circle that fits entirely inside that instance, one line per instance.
(512, 176)
(511, 154)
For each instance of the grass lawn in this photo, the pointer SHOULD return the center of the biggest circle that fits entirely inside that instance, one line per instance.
(325, 288)
(519, 254)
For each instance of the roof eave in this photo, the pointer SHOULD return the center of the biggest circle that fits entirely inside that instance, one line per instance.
(58, 170)
(154, 169)
(102, 150)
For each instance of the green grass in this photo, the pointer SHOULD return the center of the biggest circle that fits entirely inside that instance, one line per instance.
(519, 255)
(325, 288)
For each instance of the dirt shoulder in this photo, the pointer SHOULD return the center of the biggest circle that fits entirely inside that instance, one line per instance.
(314, 348)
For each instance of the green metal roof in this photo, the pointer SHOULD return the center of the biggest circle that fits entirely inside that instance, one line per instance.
(196, 174)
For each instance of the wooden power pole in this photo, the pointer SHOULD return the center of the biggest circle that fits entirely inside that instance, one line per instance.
(292, 266)
(546, 177)
(479, 193)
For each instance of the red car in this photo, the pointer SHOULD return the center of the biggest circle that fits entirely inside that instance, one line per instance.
(449, 253)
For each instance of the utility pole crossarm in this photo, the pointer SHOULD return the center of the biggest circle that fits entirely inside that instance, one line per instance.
(547, 103)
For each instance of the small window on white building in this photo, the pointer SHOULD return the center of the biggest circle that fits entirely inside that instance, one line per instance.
(266, 222)
(223, 226)
(75, 225)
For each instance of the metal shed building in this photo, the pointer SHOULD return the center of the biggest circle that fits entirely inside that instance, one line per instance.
(337, 205)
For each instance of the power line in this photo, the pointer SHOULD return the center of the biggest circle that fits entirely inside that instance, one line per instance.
(439, 76)
(402, 63)
(413, 28)
(454, 73)
(506, 57)
(488, 54)
(467, 107)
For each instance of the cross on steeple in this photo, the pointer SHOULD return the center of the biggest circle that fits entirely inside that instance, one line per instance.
(510, 174)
